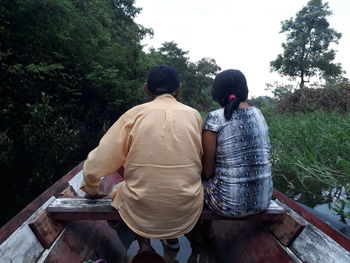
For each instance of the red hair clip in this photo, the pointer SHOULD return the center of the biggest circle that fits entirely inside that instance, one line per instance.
(231, 96)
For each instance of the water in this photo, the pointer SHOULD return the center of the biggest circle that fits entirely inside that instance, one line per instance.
(171, 256)
(327, 210)
(329, 216)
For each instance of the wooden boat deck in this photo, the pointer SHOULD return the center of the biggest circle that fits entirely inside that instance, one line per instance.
(237, 241)
(95, 239)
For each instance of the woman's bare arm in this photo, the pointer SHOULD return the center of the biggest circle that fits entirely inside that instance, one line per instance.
(209, 152)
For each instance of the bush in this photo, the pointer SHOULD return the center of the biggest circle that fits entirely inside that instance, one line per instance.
(329, 99)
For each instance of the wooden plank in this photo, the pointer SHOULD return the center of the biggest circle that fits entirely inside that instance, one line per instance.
(274, 213)
(101, 209)
(75, 183)
(314, 246)
(324, 227)
(22, 246)
(287, 229)
(82, 209)
(45, 229)
(68, 192)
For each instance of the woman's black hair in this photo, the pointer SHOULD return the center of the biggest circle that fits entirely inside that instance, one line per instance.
(226, 83)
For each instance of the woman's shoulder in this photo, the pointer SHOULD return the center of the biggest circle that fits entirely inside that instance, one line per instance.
(214, 120)
(257, 112)
(249, 111)
(218, 112)
(216, 115)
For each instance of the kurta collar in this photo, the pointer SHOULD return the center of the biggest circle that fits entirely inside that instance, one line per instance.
(163, 96)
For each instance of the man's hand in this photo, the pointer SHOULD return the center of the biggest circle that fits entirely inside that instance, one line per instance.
(96, 196)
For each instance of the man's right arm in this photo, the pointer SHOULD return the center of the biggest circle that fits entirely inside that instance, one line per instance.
(107, 157)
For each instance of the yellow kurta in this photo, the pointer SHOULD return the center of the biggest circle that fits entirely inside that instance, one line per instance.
(159, 144)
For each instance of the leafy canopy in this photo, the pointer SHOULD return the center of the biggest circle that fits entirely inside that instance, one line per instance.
(196, 77)
(307, 51)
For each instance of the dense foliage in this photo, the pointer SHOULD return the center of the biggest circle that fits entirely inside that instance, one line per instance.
(304, 145)
(335, 98)
(68, 70)
(309, 130)
(306, 52)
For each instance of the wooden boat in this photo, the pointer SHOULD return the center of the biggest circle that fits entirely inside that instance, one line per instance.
(292, 236)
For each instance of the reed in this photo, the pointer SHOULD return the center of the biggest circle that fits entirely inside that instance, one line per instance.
(311, 154)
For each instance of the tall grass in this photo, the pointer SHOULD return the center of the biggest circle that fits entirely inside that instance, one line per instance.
(311, 154)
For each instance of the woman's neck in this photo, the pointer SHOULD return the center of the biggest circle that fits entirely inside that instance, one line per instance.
(243, 105)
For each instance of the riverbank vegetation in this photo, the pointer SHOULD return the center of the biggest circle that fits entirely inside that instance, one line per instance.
(310, 139)
(310, 136)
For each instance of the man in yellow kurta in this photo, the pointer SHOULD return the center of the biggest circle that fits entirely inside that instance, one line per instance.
(159, 144)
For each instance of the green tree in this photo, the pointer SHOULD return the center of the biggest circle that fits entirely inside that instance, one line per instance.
(306, 50)
(169, 53)
(279, 91)
(196, 77)
(265, 103)
(198, 84)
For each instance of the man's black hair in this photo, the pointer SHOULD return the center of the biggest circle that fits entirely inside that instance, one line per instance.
(163, 79)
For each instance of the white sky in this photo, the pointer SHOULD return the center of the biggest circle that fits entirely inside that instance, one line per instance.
(238, 34)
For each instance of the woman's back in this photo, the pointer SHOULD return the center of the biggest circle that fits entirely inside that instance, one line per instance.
(242, 183)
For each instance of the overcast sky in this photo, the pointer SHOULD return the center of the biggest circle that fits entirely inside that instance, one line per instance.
(237, 34)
